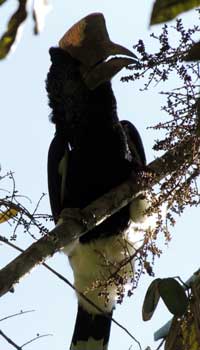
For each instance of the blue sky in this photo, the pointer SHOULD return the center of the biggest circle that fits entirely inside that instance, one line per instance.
(25, 137)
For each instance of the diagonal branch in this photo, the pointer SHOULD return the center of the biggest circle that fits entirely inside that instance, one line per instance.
(10, 341)
(75, 226)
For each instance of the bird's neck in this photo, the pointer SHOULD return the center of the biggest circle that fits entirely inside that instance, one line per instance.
(95, 120)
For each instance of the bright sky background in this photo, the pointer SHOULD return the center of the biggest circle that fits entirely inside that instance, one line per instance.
(25, 137)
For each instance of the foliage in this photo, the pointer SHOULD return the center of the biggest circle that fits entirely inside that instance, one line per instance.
(40, 8)
(171, 292)
(180, 188)
(184, 331)
(165, 10)
(9, 37)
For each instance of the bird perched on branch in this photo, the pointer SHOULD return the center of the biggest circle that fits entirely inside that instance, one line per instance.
(91, 153)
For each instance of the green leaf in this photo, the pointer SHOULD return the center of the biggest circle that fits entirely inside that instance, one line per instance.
(151, 300)
(8, 38)
(194, 53)
(165, 10)
(173, 295)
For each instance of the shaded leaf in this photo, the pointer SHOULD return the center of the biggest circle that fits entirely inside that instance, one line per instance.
(173, 295)
(7, 215)
(151, 300)
(165, 10)
(194, 53)
(9, 37)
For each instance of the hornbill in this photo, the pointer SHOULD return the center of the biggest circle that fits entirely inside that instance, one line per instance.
(91, 153)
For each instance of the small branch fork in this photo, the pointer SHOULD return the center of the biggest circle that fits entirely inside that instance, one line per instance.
(10, 341)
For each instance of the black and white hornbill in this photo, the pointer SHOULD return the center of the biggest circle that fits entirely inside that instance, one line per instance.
(91, 153)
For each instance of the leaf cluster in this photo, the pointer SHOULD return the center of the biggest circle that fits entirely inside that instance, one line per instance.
(165, 10)
(171, 292)
(180, 188)
(16, 20)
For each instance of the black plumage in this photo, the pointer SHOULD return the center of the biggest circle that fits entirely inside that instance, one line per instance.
(91, 153)
(87, 122)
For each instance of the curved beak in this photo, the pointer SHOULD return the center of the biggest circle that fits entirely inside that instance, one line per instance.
(104, 71)
(88, 42)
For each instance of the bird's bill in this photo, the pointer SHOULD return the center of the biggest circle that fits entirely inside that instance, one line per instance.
(88, 42)
(104, 71)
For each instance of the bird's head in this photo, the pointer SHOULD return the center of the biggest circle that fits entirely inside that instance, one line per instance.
(100, 59)
(78, 82)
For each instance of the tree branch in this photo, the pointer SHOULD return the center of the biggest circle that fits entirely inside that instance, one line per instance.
(10, 341)
(75, 226)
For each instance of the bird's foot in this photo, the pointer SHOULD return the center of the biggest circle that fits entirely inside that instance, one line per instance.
(74, 214)
(78, 216)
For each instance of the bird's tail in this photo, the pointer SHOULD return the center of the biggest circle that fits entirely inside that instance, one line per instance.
(92, 331)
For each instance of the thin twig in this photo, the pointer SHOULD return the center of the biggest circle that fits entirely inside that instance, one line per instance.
(35, 210)
(6, 241)
(10, 341)
(36, 338)
(161, 343)
(17, 314)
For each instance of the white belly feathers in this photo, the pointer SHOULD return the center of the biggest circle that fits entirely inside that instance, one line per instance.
(95, 263)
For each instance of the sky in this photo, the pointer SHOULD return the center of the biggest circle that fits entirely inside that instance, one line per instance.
(25, 137)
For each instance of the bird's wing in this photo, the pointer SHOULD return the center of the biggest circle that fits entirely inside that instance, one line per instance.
(139, 205)
(57, 172)
(134, 142)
